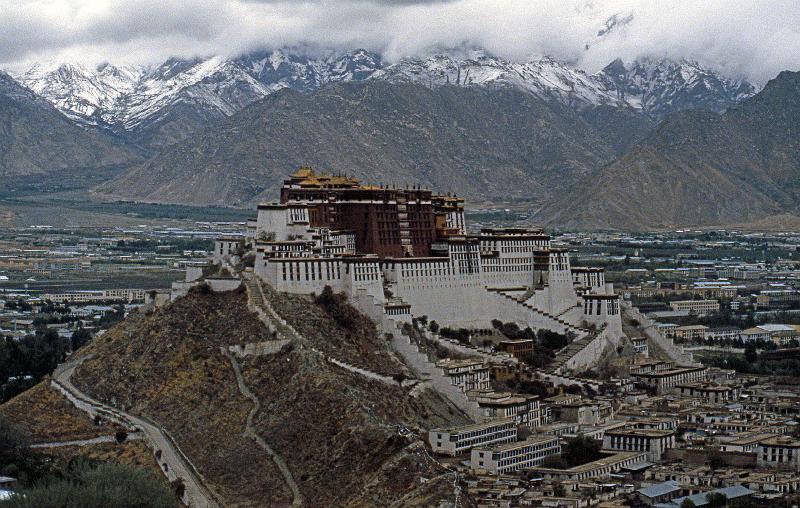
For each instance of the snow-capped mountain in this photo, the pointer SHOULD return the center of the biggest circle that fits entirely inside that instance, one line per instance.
(544, 78)
(659, 87)
(82, 93)
(130, 99)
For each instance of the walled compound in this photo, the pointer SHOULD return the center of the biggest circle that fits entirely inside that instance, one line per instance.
(408, 252)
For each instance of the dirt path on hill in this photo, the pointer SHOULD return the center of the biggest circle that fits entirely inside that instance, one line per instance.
(173, 462)
(250, 431)
(86, 442)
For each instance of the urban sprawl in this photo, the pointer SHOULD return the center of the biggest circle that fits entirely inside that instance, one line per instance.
(607, 369)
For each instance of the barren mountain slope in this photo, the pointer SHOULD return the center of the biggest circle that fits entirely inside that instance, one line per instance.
(36, 139)
(340, 433)
(482, 143)
(698, 168)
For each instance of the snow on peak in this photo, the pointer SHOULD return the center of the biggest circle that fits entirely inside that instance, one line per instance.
(127, 97)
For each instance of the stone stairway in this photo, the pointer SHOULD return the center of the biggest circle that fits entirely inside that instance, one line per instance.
(258, 303)
(558, 323)
(572, 349)
(673, 352)
(428, 371)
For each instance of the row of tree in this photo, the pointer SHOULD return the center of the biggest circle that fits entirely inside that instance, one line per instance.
(24, 362)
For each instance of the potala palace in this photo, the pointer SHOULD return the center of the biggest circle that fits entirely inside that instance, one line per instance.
(403, 253)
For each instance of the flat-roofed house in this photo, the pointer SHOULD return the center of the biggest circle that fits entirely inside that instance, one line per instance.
(457, 440)
(654, 442)
(659, 493)
(780, 452)
(505, 458)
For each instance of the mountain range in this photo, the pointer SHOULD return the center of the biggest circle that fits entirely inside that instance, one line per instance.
(698, 168)
(646, 144)
(156, 106)
(35, 138)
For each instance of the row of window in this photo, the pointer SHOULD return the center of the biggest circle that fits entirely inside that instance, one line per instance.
(311, 270)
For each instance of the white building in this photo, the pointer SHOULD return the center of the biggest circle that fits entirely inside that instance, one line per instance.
(513, 275)
(525, 409)
(509, 457)
(699, 307)
(226, 247)
(779, 452)
(455, 441)
(466, 374)
(654, 442)
(664, 381)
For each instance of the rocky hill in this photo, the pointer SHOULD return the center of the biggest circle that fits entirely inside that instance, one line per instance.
(501, 144)
(345, 439)
(36, 139)
(699, 168)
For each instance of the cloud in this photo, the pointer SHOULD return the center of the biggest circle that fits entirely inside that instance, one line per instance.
(755, 39)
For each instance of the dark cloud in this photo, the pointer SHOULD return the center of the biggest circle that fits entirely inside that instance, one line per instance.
(757, 38)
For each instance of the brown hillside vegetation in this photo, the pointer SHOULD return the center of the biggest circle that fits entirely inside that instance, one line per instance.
(46, 416)
(341, 435)
(336, 328)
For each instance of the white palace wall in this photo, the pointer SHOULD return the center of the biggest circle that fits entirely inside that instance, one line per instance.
(561, 291)
(310, 275)
(460, 289)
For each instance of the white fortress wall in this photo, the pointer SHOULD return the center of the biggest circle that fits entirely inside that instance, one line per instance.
(363, 275)
(591, 354)
(506, 309)
(601, 310)
(303, 275)
(434, 287)
(574, 315)
(284, 221)
(561, 294)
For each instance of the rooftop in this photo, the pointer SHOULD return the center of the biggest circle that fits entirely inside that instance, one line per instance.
(659, 489)
(532, 440)
(475, 426)
(640, 432)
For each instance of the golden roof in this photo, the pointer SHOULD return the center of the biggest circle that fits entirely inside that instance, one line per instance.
(306, 177)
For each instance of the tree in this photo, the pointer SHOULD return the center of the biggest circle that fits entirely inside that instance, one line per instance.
(716, 460)
(580, 450)
(716, 500)
(750, 353)
(559, 490)
(80, 337)
(434, 326)
(555, 462)
(688, 503)
(11, 439)
(97, 487)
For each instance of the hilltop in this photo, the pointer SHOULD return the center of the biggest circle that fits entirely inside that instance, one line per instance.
(346, 439)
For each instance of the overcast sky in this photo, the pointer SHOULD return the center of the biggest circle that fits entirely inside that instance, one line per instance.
(751, 38)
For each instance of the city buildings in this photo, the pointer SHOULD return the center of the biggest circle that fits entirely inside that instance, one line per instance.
(510, 457)
(699, 307)
(458, 440)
